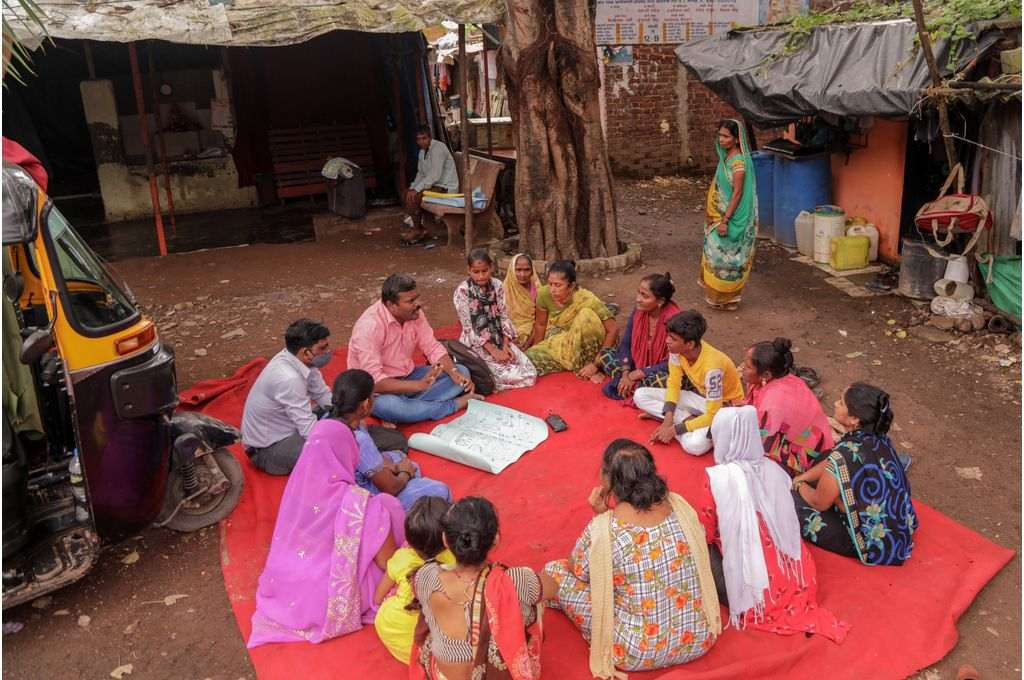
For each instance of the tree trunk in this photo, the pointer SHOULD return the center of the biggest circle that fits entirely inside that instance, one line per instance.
(564, 202)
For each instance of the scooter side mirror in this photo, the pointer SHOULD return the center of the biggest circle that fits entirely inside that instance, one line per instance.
(38, 343)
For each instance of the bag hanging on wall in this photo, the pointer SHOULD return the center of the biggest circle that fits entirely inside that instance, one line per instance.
(954, 213)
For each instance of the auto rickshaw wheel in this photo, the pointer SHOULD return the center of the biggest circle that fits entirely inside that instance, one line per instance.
(203, 509)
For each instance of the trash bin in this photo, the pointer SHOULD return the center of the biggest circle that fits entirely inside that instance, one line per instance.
(346, 196)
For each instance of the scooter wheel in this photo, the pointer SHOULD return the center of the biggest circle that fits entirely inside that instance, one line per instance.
(207, 509)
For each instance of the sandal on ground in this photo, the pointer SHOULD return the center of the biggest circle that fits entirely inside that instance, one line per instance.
(808, 375)
(415, 240)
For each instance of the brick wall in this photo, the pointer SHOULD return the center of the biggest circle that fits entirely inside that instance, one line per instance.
(641, 104)
(704, 111)
(659, 118)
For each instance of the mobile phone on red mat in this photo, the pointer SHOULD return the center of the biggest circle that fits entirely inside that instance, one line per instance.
(556, 422)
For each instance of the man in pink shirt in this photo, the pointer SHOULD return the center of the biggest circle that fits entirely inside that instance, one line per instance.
(383, 342)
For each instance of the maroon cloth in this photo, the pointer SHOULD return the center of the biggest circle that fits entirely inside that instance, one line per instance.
(17, 154)
(205, 391)
(646, 353)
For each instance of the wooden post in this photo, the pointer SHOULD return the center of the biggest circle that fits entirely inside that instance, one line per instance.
(929, 57)
(464, 180)
(487, 101)
(396, 93)
(140, 104)
(90, 65)
(163, 142)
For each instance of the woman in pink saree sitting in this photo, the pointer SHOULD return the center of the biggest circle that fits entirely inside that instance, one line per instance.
(331, 545)
(794, 427)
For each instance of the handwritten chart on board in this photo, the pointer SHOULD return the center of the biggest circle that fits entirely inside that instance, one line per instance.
(488, 437)
(634, 22)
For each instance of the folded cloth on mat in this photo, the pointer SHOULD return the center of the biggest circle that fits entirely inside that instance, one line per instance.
(456, 200)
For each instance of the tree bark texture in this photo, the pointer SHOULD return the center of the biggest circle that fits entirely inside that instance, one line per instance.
(564, 202)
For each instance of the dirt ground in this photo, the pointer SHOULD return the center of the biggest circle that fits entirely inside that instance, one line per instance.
(955, 406)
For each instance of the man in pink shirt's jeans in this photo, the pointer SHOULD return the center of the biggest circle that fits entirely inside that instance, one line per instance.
(383, 342)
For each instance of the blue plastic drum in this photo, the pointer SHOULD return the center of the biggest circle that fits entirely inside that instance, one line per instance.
(800, 184)
(764, 171)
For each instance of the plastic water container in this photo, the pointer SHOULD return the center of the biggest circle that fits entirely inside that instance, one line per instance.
(849, 252)
(957, 269)
(764, 171)
(800, 184)
(829, 223)
(871, 232)
(804, 227)
(919, 271)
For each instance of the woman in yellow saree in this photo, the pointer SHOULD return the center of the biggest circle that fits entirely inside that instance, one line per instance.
(574, 324)
(521, 288)
(731, 228)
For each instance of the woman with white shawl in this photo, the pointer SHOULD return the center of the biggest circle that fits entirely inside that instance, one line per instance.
(748, 515)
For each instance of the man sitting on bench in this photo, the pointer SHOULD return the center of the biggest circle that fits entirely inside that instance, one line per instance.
(435, 171)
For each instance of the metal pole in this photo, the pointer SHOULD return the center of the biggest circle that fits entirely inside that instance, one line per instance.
(487, 101)
(929, 57)
(467, 191)
(163, 142)
(140, 104)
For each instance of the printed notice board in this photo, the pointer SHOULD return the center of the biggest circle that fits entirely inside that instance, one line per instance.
(640, 22)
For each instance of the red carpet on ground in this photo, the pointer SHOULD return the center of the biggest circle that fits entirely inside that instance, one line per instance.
(903, 618)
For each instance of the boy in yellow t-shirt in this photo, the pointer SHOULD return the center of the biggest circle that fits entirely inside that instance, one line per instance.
(686, 416)
(395, 625)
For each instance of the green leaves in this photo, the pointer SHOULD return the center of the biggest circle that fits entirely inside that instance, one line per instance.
(17, 57)
(945, 19)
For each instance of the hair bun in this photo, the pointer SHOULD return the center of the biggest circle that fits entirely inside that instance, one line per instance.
(668, 275)
(782, 344)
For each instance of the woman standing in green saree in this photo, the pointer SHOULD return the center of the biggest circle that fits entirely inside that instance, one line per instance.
(731, 220)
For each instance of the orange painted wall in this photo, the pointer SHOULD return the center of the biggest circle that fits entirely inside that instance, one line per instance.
(870, 185)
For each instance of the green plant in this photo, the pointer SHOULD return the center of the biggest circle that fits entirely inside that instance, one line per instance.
(945, 19)
(17, 57)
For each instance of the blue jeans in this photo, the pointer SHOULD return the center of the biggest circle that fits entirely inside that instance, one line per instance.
(434, 403)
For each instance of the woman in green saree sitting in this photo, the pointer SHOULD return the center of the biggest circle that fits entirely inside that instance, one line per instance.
(731, 220)
(573, 322)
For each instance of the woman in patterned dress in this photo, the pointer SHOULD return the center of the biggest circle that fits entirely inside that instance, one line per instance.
(332, 542)
(641, 359)
(486, 327)
(857, 501)
(794, 428)
(572, 325)
(770, 579)
(478, 619)
(731, 228)
(665, 609)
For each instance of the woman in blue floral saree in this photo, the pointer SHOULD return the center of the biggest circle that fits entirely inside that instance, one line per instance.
(857, 501)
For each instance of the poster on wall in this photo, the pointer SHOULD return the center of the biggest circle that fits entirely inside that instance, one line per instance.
(617, 55)
(649, 22)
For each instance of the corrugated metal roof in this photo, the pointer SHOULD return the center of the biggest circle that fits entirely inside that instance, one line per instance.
(244, 22)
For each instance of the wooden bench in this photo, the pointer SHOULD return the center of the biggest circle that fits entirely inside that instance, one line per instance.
(483, 175)
(299, 154)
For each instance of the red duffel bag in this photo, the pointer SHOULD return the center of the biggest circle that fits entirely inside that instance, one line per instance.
(950, 214)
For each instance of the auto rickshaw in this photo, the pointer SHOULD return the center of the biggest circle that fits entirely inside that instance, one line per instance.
(92, 450)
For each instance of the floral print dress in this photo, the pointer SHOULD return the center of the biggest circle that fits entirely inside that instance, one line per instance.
(657, 595)
(874, 519)
(484, 318)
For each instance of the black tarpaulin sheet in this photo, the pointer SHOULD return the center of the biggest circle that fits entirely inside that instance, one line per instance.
(870, 69)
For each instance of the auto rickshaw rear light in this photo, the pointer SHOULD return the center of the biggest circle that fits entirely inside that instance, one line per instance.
(135, 342)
